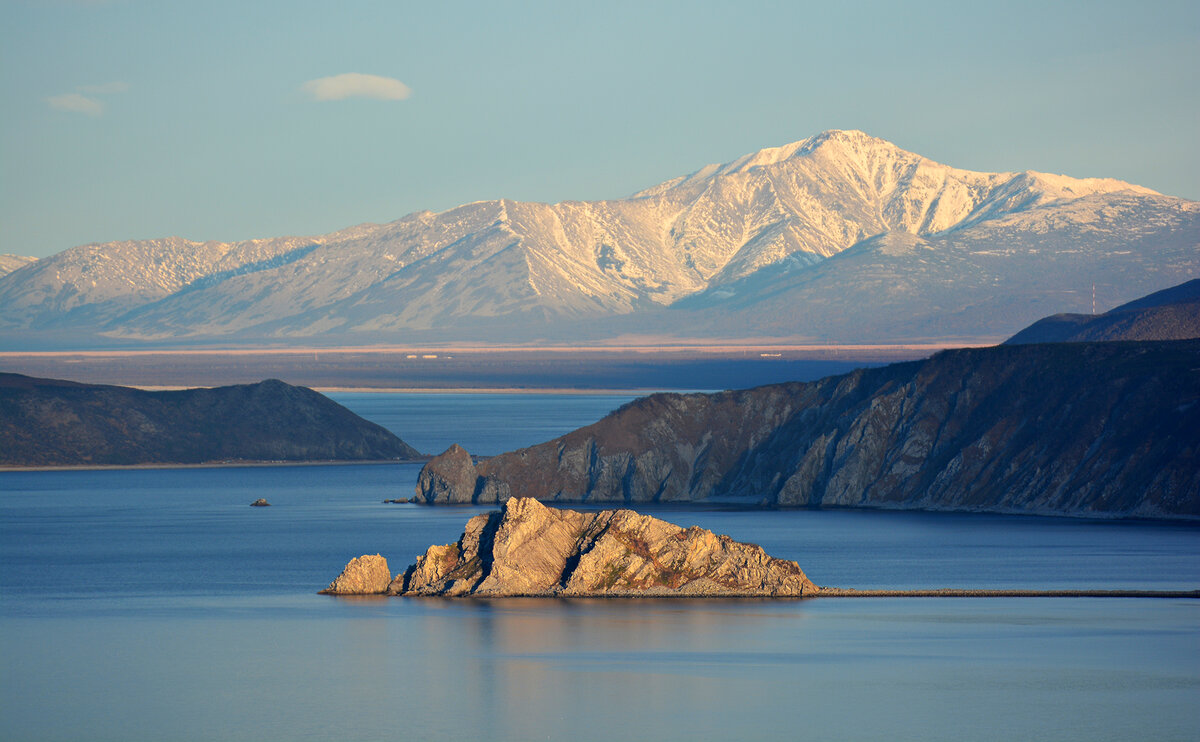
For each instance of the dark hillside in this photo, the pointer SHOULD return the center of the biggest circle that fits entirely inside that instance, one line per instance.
(48, 422)
(1071, 428)
(1170, 314)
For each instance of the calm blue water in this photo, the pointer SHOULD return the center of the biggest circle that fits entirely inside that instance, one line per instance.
(484, 424)
(156, 605)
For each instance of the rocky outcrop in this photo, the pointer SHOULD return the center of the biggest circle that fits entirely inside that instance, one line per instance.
(1107, 429)
(47, 422)
(1170, 314)
(528, 549)
(449, 477)
(364, 575)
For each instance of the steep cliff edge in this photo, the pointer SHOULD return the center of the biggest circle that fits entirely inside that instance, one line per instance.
(1106, 429)
(47, 422)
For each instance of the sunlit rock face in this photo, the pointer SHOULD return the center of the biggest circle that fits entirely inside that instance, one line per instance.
(528, 549)
(364, 575)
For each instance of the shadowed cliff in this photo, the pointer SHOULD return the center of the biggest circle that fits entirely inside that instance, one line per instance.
(1085, 429)
(48, 422)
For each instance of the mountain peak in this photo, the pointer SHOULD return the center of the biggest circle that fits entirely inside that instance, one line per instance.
(837, 144)
(852, 137)
(848, 141)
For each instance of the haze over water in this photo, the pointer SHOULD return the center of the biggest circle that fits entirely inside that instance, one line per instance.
(154, 604)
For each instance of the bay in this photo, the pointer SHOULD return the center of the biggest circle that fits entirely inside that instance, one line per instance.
(154, 604)
(485, 424)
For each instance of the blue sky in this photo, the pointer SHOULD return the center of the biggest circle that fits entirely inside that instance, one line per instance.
(214, 120)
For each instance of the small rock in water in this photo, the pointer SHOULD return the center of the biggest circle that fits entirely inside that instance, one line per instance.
(364, 575)
(260, 503)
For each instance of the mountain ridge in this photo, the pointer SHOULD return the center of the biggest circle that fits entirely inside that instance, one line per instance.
(1082, 429)
(10, 263)
(515, 271)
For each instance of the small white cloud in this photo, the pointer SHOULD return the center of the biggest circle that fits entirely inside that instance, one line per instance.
(76, 103)
(356, 85)
(116, 86)
(79, 103)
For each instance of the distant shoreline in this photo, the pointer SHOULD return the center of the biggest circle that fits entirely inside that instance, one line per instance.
(499, 370)
(549, 391)
(206, 465)
(715, 348)
(641, 392)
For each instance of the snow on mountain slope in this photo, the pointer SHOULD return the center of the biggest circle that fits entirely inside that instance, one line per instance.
(736, 232)
(970, 282)
(328, 271)
(9, 263)
(90, 285)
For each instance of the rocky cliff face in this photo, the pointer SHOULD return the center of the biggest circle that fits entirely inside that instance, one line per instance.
(1083, 429)
(529, 549)
(46, 422)
(448, 478)
(364, 575)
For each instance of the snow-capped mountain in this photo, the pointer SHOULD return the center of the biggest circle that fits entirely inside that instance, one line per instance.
(841, 237)
(9, 263)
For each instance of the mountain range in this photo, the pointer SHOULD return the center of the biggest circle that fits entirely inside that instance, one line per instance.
(841, 237)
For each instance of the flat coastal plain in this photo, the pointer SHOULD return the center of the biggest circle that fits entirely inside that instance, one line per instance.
(473, 368)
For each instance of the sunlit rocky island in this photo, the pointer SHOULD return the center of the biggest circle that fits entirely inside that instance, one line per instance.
(527, 549)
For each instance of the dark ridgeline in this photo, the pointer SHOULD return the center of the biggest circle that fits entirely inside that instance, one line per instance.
(1170, 314)
(1077, 428)
(47, 422)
